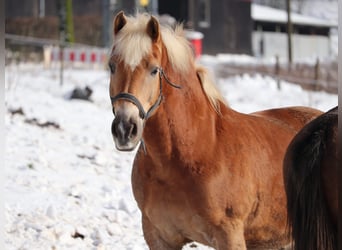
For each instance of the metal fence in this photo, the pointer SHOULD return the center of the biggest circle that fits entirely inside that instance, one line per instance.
(51, 53)
(317, 76)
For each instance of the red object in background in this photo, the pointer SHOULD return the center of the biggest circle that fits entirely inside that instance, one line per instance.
(195, 39)
(93, 57)
(197, 44)
(72, 56)
(78, 55)
(83, 57)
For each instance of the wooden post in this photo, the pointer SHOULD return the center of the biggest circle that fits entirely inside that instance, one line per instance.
(317, 74)
(61, 8)
(70, 37)
(289, 31)
(191, 14)
(62, 35)
(61, 68)
(277, 72)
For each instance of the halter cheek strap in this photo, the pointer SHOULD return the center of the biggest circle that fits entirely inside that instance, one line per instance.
(131, 98)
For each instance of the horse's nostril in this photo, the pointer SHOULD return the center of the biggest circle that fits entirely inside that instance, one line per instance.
(114, 126)
(135, 129)
(132, 130)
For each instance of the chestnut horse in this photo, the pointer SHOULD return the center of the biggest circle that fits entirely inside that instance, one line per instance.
(203, 172)
(310, 174)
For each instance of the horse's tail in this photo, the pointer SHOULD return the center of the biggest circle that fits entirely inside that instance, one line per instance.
(309, 221)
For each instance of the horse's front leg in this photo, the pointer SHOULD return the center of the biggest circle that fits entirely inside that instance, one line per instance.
(154, 239)
(230, 235)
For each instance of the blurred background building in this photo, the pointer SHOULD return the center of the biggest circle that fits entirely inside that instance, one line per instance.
(228, 26)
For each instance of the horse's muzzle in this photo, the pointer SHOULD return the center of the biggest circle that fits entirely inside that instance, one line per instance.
(126, 132)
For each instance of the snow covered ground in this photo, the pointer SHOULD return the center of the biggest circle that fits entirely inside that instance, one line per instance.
(66, 187)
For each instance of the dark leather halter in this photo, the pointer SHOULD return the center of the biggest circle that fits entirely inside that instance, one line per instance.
(131, 98)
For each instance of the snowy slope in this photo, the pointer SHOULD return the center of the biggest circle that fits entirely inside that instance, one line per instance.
(67, 187)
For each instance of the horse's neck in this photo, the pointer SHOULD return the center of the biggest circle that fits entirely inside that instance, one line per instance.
(182, 122)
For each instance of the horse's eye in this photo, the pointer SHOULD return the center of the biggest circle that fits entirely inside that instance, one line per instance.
(111, 67)
(154, 71)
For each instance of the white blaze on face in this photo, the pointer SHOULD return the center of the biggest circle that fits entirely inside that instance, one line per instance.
(127, 108)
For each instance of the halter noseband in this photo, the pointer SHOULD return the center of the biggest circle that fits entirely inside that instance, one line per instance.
(131, 98)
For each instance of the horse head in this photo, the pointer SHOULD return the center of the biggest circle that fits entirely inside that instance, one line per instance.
(135, 81)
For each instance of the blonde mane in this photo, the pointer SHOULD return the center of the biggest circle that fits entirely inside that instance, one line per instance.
(178, 48)
(133, 43)
(209, 88)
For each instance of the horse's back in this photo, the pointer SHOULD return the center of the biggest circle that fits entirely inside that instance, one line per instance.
(293, 117)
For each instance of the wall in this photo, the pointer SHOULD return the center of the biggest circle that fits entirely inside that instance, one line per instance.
(230, 28)
(303, 46)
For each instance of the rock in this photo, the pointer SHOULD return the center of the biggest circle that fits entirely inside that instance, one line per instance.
(83, 94)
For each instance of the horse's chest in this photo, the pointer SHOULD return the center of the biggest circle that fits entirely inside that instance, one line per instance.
(164, 203)
(170, 210)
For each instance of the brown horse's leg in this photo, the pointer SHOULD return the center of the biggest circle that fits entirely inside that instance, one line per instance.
(230, 235)
(154, 239)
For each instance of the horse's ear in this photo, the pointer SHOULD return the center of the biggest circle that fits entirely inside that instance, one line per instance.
(119, 22)
(153, 29)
